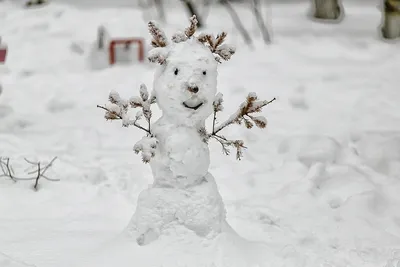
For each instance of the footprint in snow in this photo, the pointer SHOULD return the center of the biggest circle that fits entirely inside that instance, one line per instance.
(297, 99)
(5, 111)
(56, 105)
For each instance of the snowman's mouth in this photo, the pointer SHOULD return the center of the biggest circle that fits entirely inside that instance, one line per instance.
(192, 105)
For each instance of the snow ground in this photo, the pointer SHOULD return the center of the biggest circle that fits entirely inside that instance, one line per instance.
(320, 186)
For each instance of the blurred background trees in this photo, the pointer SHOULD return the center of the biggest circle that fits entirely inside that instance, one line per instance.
(391, 19)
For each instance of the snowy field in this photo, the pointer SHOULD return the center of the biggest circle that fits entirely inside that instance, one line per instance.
(320, 186)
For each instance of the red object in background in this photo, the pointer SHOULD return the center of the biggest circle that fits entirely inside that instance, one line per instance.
(127, 42)
(3, 53)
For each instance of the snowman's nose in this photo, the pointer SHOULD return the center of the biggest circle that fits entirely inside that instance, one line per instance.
(193, 89)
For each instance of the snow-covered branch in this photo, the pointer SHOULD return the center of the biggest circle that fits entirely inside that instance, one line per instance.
(36, 174)
(159, 37)
(147, 145)
(118, 109)
(189, 31)
(244, 115)
(216, 46)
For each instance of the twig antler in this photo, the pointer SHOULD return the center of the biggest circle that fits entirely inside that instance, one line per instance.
(160, 42)
(39, 172)
(216, 46)
(242, 115)
(159, 38)
(189, 31)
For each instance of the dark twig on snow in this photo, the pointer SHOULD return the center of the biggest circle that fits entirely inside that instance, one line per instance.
(242, 115)
(38, 173)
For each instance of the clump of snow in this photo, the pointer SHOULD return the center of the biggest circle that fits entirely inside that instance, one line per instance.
(148, 146)
(298, 100)
(98, 59)
(56, 105)
(380, 150)
(310, 149)
(77, 48)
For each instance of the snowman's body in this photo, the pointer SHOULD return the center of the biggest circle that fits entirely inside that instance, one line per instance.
(184, 193)
(182, 158)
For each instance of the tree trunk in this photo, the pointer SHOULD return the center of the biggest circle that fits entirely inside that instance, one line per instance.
(160, 8)
(256, 6)
(236, 20)
(391, 19)
(327, 9)
(193, 11)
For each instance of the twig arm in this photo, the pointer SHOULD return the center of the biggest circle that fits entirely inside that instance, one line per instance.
(130, 122)
(251, 105)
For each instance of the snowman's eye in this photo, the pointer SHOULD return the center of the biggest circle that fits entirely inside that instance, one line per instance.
(204, 72)
(176, 71)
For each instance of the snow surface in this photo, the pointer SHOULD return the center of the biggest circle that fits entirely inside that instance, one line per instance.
(319, 187)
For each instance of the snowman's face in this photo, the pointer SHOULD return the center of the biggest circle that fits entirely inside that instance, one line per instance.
(186, 85)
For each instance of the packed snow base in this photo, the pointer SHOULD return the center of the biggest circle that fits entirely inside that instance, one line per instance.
(320, 188)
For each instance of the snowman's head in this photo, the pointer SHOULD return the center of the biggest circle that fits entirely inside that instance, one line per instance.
(185, 84)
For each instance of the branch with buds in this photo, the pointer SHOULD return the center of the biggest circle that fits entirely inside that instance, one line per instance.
(118, 109)
(216, 46)
(160, 42)
(38, 173)
(188, 33)
(244, 115)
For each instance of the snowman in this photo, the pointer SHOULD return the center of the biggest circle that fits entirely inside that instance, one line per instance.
(184, 199)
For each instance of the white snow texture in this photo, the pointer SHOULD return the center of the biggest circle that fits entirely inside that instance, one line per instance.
(319, 187)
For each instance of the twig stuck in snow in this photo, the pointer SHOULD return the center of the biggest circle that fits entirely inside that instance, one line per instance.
(242, 115)
(38, 173)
